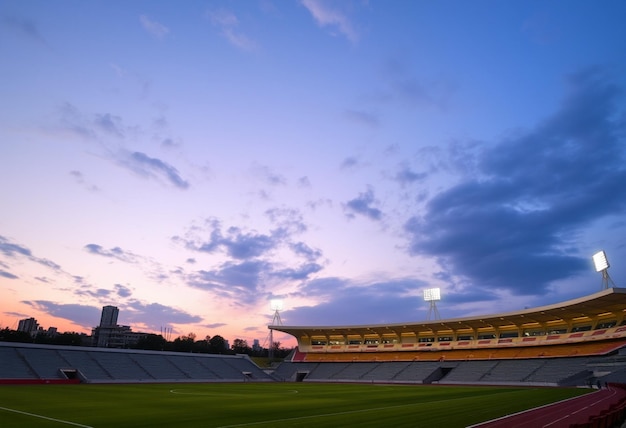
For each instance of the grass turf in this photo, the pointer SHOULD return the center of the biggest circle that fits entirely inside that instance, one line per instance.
(264, 405)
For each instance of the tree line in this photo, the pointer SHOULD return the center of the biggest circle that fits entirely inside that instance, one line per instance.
(152, 342)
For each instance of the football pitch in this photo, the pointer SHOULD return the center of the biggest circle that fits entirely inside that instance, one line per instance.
(258, 405)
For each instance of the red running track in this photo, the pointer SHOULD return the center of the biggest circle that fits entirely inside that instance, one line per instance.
(577, 410)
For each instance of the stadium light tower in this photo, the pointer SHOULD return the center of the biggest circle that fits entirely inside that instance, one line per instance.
(432, 295)
(602, 265)
(276, 305)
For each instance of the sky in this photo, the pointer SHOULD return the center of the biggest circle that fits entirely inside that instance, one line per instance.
(189, 162)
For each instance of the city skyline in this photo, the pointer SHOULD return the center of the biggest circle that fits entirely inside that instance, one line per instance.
(190, 163)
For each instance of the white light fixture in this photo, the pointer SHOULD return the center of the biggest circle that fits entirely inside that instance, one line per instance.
(600, 261)
(276, 305)
(602, 265)
(432, 295)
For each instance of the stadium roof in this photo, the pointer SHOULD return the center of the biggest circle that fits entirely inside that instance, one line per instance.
(610, 302)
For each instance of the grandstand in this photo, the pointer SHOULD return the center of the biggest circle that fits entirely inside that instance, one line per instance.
(29, 363)
(577, 342)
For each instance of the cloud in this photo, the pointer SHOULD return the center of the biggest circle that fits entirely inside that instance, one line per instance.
(154, 28)
(406, 175)
(343, 302)
(362, 205)
(215, 325)
(228, 25)
(144, 165)
(122, 290)
(302, 272)
(115, 252)
(110, 124)
(234, 280)
(81, 315)
(349, 162)
(24, 28)
(155, 315)
(515, 227)
(13, 250)
(98, 293)
(302, 249)
(264, 173)
(80, 179)
(327, 16)
(304, 182)
(404, 88)
(8, 275)
(237, 243)
(362, 117)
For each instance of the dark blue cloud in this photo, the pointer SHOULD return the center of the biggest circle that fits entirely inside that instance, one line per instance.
(302, 272)
(515, 226)
(81, 315)
(154, 315)
(145, 165)
(8, 275)
(240, 281)
(406, 175)
(238, 244)
(363, 117)
(115, 252)
(24, 28)
(348, 303)
(303, 250)
(12, 250)
(110, 124)
(122, 290)
(363, 205)
(242, 245)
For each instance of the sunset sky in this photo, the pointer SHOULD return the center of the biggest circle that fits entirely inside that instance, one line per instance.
(189, 161)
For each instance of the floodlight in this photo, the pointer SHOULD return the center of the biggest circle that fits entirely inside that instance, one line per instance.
(602, 266)
(276, 304)
(600, 261)
(432, 294)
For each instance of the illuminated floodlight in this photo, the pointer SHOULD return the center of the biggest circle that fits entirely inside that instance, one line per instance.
(276, 305)
(602, 265)
(432, 294)
(600, 261)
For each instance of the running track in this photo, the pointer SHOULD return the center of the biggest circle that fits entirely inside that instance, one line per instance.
(576, 410)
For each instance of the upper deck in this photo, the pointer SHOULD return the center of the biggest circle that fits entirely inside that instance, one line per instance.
(599, 316)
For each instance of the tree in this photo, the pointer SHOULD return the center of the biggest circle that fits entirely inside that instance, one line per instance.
(152, 342)
(184, 343)
(240, 346)
(8, 335)
(217, 345)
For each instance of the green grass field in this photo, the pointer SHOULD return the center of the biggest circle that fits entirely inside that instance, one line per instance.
(264, 405)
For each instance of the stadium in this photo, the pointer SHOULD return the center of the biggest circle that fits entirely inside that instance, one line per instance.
(575, 347)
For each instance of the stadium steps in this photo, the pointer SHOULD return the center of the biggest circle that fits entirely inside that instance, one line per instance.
(88, 367)
(45, 363)
(14, 366)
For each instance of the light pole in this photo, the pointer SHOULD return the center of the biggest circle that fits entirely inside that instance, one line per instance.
(602, 265)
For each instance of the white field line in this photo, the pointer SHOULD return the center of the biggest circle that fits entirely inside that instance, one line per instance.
(45, 417)
(323, 415)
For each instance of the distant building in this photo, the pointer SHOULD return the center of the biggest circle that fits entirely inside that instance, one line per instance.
(256, 346)
(109, 316)
(29, 325)
(110, 335)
